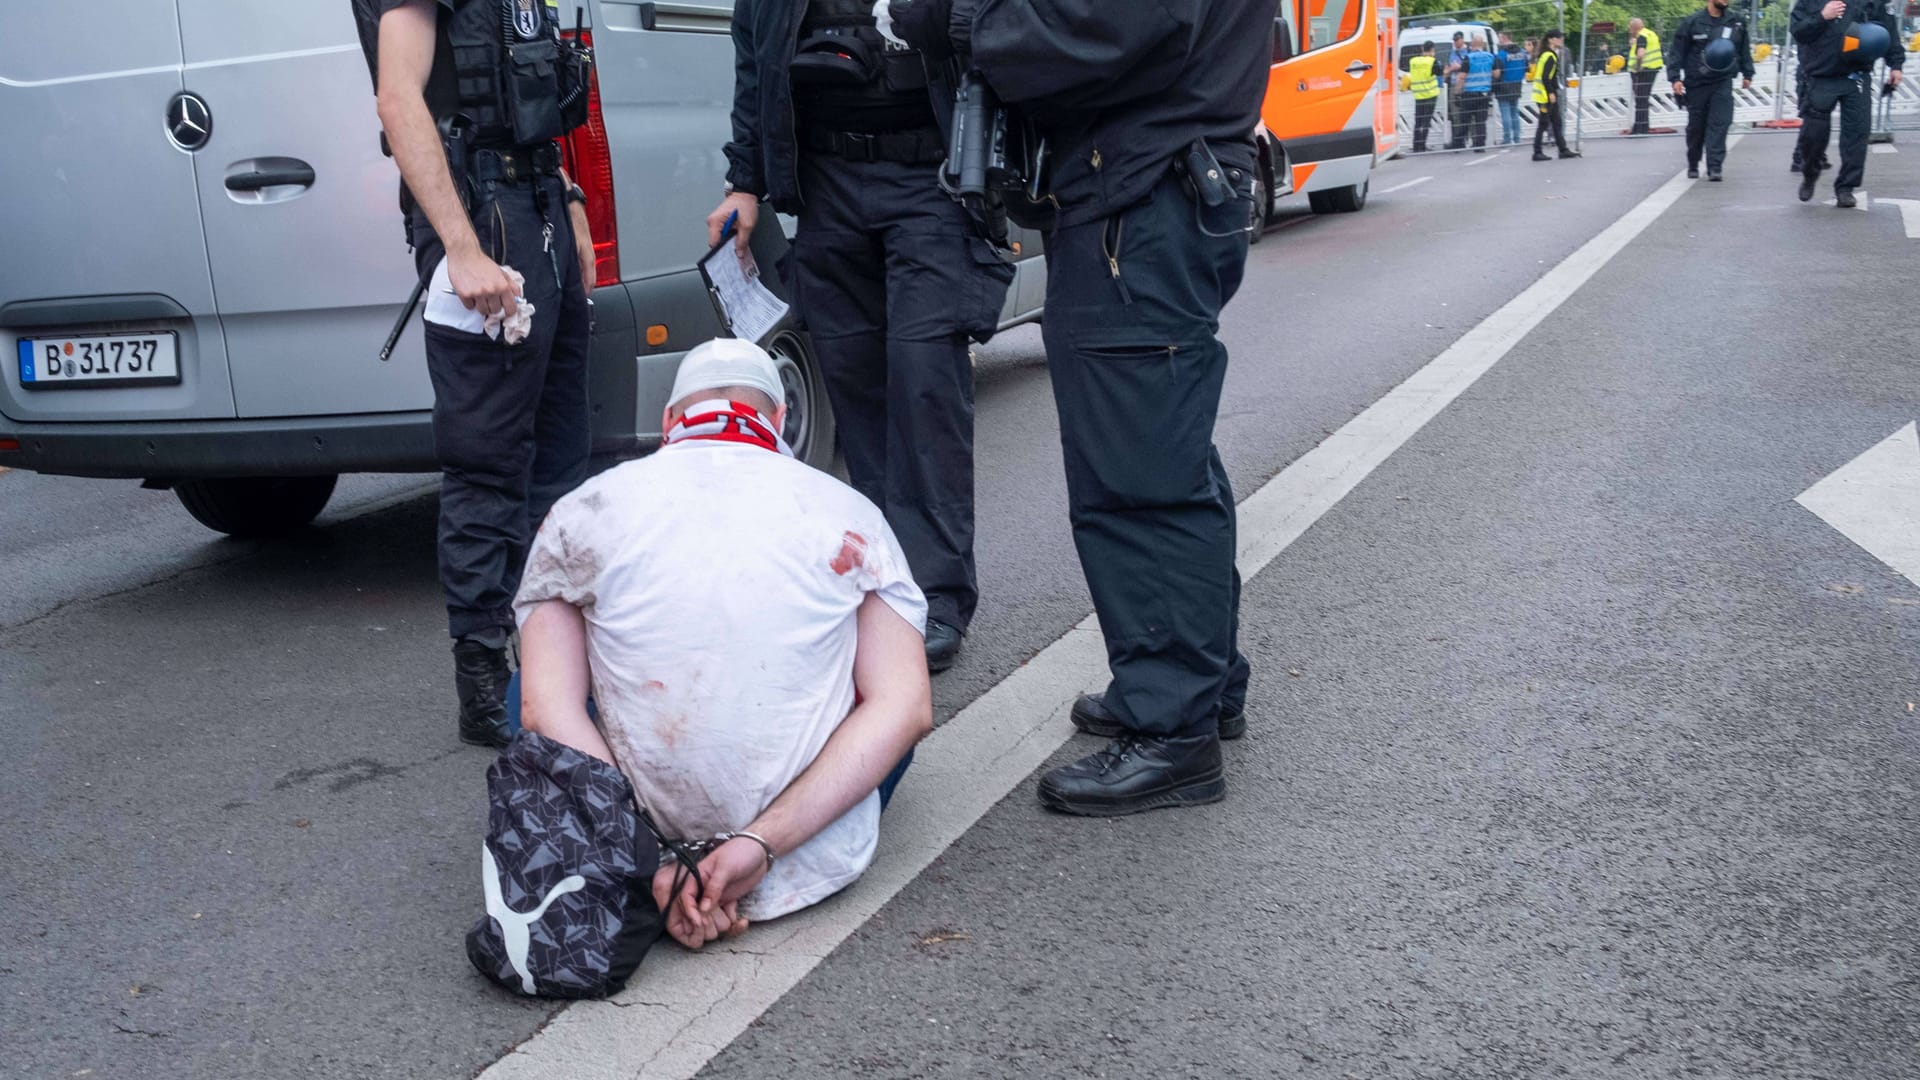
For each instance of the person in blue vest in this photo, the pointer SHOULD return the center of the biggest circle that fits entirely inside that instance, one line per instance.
(1476, 92)
(1514, 62)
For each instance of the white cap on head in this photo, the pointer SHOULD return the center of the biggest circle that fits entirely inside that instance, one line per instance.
(727, 362)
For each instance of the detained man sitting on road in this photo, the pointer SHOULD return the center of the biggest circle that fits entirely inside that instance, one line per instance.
(752, 638)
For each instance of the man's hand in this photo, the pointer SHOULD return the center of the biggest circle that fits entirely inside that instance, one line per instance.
(730, 872)
(1893, 78)
(686, 922)
(480, 282)
(748, 208)
(1834, 9)
(1746, 84)
(583, 246)
(1679, 88)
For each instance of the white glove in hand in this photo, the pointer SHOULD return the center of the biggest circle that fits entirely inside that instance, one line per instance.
(883, 18)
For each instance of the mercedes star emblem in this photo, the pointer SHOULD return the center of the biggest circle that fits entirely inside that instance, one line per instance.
(189, 121)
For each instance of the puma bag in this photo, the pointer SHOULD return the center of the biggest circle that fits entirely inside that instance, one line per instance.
(567, 868)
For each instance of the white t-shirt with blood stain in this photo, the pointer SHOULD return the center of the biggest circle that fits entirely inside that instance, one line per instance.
(719, 582)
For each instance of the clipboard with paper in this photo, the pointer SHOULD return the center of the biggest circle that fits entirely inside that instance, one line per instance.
(747, 308)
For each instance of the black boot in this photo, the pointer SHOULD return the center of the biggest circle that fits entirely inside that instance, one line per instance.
(1808, 178)
(943, 646)
(1713, 175)
(1136, 773)
(480, 676)
(1566, 154)
(1845, 200)
(1538, 156)
(1091, 716)
(1693, 171)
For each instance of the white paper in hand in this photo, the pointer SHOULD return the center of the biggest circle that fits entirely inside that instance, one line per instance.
(444, 307)
(751, 309)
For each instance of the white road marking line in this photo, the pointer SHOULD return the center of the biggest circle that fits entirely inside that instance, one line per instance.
(1883, 148)
(1482, 161)
(1405, 186)
(1874, 501)
(1909, 215)
(695, 1005)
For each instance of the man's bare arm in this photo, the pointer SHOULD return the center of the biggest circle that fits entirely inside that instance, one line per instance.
(553, 678)
(406, 58)
(895, 712)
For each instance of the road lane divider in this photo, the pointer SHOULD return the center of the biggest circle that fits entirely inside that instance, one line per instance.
(683, 1008)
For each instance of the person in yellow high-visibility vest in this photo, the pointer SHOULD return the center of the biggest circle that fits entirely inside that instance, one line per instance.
(1546, 98)
(1424, 83)
(1644, 63)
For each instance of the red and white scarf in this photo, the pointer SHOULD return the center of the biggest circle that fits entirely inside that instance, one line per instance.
(720, 420)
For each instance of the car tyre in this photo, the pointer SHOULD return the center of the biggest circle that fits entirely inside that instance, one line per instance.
(256, 505)
(809, 429)
(1346, 200)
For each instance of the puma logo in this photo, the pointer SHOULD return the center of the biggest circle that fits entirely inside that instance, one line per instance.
(513, 925)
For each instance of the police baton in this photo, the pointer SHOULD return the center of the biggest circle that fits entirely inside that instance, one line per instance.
(400, 324)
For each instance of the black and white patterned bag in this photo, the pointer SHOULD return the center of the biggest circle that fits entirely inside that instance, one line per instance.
(567, 867)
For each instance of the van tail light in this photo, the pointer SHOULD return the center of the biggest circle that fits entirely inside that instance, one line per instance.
(590, 163)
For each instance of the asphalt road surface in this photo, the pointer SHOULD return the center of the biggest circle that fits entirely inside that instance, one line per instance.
(1578, 747)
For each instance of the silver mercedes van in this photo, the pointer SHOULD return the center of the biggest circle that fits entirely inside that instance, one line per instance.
(204, 251)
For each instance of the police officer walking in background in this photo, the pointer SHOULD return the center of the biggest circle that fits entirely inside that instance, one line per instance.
(1837, 75)
(1424, 82)
(1708, 46)
(1148, 110)
(472, 95)
(835, 123)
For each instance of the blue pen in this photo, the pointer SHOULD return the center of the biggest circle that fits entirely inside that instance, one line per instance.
(727, 229)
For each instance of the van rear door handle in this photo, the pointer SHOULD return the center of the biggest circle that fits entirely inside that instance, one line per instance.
(300, 175)
(1357, 67)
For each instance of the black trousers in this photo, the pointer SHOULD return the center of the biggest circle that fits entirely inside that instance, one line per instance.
(1422, 120)
(1137, 369)
(1475, 105)
(1709, 115)
(1855, 99)
(1549, 120)
(1642, 100)
(891, 279)
(510, 422)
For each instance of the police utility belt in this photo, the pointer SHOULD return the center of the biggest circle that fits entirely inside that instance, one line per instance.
(518, 165)
(906, 147)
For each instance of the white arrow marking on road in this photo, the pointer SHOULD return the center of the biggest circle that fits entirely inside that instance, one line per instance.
(1874, 501)
(1909, 215)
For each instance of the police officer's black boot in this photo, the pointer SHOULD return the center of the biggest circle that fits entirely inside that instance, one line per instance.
(1090, 714)
(480, 677)
(1713, 175)
(943, 645)
(1809, 176)
(1138, 772)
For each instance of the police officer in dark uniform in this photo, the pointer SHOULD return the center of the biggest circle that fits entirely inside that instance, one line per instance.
(1703, 72)
(1838, 75)
(841, 126)
(472, 95)
(1148, 111)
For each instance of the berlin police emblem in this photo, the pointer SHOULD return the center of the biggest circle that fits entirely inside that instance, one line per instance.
(526, 19)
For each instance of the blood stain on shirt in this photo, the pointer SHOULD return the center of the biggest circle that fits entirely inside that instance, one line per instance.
(853, 554)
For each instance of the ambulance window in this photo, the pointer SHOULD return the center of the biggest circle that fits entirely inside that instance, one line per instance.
(1331, 21)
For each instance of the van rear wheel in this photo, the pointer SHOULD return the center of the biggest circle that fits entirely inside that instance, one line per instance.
(809, 429)
(1346, 200)
(256, 505)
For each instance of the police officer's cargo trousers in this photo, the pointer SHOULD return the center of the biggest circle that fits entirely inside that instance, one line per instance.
(1476, 104)
(1855, 99)
(1422, 121)
(1642, 101)
(509, 421)
(1137, 369)
(891, 280)
(1709, 115)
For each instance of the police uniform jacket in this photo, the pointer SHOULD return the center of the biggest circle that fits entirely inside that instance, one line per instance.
(763, 157)
(1687, 60)
(1823, 41)
(1118, 88)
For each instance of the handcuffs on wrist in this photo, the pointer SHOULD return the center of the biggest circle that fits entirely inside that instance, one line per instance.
(698, 849)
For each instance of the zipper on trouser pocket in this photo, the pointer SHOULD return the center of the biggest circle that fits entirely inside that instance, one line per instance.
(1110, 247)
